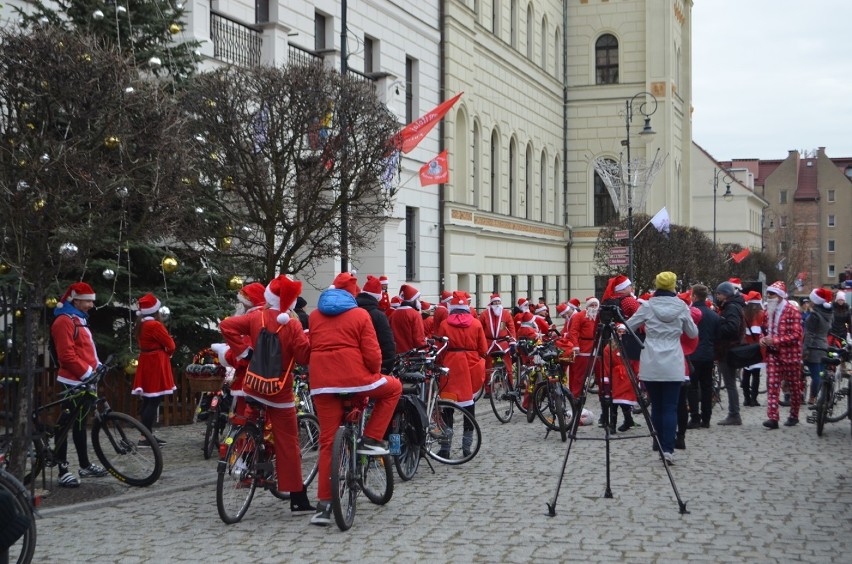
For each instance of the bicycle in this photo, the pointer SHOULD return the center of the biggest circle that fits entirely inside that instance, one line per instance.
(552, 401)
(114, 435)
(302, 390)
(217, 420)
(352, 472)
(247, 461)
(834, 399)
(504, 394)
(23, 507)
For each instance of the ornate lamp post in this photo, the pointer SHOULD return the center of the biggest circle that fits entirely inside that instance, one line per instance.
(647, 132)
(727, 196)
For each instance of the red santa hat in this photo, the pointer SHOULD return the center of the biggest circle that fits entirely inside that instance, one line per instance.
(383, 279)
(281, 294)
(523, 304)
(147, 305)
(821, 296)
(251, 295)
(778, 288)
(685, 297)
(616, 284)
(425, 306)
(409, 293)
(592, 301)
(563, 310)
(395, 302)
(575, 303)
(754, 298)
(644, 298)
(526, 317)
(541, 308)
(77, 291)
(459, 301)
(446, 296)
(738, 284)
(495, 299)
(373, 287)
(346, 281)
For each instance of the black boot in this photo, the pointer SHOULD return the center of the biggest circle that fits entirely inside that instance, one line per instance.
(680, 442)
(613, 420)
(299, 502)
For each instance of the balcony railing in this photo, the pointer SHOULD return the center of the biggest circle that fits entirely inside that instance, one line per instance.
(233, 41)
(301, 56)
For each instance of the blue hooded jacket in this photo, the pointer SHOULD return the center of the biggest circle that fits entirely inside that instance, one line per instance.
(335, 301)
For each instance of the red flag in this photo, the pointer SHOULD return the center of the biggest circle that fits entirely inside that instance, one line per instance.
(435, 171)
(738, 257)
(413, 133)
(802, 276)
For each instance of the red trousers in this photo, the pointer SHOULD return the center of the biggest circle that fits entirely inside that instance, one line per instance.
(776, 373)
(329, 410)
(577, 373)
(288, 456)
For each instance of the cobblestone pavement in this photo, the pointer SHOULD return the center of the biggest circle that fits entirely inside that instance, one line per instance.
(753, 495)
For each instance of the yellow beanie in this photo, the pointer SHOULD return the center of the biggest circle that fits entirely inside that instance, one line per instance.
(666, 281)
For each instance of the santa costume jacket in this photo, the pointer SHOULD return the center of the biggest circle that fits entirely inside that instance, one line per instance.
(407, 326)
(75, 347)
(463, 356)
(154, 373)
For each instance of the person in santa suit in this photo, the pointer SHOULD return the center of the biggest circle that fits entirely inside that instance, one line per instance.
(249, 298)
(77, 357)
(738, 284)
(280, 296)
(522, 307)
(497, 322)
(755, 321)
(154, 378)
(406, 322)
(384, 301)
(581, 332)
(542, 319)
(543, 310)
(689, 346)
(464, 357)
(783, 342)
(346, 359)
(619, 292)
(426, 314)
(368, 300)
(563, 341)
(394, 305)
(623, 394)
(441, 310)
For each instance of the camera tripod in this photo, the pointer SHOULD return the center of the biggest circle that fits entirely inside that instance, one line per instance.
(606, 332)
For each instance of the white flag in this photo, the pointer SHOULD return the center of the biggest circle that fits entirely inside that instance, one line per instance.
(780, 265)
(661, 220)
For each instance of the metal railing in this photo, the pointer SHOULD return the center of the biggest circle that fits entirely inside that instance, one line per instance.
(235, 42)
(300, 56)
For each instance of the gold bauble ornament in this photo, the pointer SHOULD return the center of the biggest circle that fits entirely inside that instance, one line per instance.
(30, 126)
(112, 142)
(186, 180)
(174, 29)
(39, 204)
(5, 268)
(131, 367)
(228, 183)
(19, 313)
(170, 264)
(224, 243)
(51, 302)
(235, 283)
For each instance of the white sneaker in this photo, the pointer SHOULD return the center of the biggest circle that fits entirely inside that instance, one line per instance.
(669, 458)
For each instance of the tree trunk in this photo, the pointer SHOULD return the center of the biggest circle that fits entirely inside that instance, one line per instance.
(22, 422)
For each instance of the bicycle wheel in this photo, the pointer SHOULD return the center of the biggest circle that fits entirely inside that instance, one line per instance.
(502, 401)
(35, 458)
(115, 439)
(825, 395)
(344, 482)
(557, 400)
(22, 550)
(480, 392)
(309, 433)
(408, 459)
(213, 432)
(443, 442)
(549, 404)
(376, 477)
(520, 385)
(236, 480)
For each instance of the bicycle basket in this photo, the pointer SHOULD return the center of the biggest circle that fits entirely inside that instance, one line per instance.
(549, 352)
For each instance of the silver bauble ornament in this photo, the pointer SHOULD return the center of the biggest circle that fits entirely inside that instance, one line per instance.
(122, 191)
(68, 250)
(129, 90)
(98, 15)
(165, 312)
(23, 185)
(45, 158)
(109, 274)
(199, 210)
(121, 10)
(155, 62)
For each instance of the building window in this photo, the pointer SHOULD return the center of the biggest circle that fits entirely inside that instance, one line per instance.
(782, 247)
(320, 23)
(369, 53)
(261, 11)
(544, 43)
(831, 195)
(513, 24)
(557, 54)
(495, 17)
(543, 205)
(529, 183)
(783, 222)
(782, 195)
(410, 89)
(848, 172)
(513, 189)
(530, 38)
(557, 191)
(477, 148)
(604, 209)
(831, 271)
(411, 237)
(495, 162)
(831, 245)
(606, 60)
(831, 220)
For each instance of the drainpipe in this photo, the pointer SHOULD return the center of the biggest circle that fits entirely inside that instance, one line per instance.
(565, 145)
(441, 88)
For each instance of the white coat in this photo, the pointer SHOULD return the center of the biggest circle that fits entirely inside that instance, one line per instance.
(665, 318)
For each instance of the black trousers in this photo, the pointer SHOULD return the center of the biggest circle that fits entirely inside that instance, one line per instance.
(78, 432)
(149, 411)
(700, 391)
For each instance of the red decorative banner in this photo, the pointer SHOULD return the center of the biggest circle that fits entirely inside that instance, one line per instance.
(435, 171)
(413, 133)
(740, 256)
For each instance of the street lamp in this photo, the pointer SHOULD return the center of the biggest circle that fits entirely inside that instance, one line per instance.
(647, 132)
(727, 196)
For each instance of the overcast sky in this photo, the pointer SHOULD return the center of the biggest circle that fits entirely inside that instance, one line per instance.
(772, 75)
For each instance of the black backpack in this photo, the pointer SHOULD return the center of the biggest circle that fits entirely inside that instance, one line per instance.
(264, 376)
(54, 356)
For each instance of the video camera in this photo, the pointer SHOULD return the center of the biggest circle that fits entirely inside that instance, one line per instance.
(610, 314)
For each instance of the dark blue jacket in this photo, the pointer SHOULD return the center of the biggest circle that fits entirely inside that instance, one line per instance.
(382, 327)
(708, 330)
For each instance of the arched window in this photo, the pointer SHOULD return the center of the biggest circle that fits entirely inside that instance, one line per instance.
(495, 17)
(558, 212)
(606, 60)
(557, 53)
(477, 164)
(513, 177)
(530, 38)
(459, 178)
(513, 24)
(528, 186)
(544, 195)
(604, 209)
(495, 173)
(544, 43)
